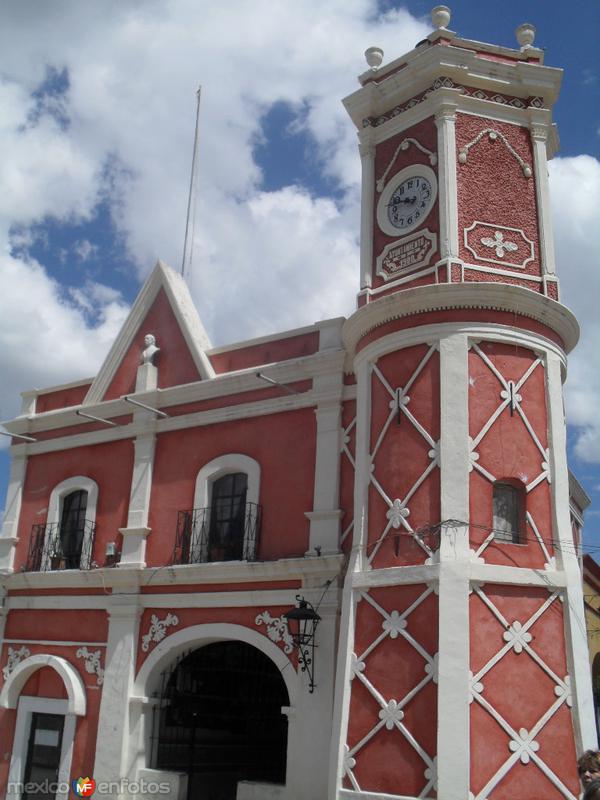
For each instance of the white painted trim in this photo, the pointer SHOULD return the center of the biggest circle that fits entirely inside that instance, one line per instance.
(162, 277)
(497, 228)
(74, 484)
(539, 143)
(499, 297)
(453, 747)
(26, 708)
(53, 643)
(325, 515)
(429, 333)
(302, 569)
(573, 607)
(223, 465)
(147, 680)
(367, 160)
(233, 383)
(13, 685)
(12, 511)
(445, 120)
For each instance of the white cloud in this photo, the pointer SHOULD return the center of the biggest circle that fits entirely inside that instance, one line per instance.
(265, 260)
(122, 132)
(575, 192)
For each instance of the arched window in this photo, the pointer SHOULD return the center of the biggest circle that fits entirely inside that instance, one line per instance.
(509, 512)
(227, 517)
(66, 540)
(224, 524)
(71, 530)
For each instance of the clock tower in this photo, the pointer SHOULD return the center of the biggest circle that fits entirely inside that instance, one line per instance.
(463, 660)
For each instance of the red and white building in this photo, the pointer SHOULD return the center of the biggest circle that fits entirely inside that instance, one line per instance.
(403, 470)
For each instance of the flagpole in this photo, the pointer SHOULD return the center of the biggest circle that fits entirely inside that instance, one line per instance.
(192, 176)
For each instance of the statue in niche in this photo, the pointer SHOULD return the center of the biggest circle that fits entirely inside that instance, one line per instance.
(150, 349)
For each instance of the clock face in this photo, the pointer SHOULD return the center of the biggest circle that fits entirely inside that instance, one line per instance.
(407, 200)
(410, 202)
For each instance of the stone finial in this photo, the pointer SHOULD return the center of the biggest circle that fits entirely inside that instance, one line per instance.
(374, 56)
(150, 349)
(440, 17)
(525, 35)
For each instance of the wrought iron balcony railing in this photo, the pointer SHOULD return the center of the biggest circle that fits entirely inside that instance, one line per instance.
(54, 546)
(202, 537)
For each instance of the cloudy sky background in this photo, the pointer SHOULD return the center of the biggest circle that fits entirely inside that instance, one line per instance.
(97, 110)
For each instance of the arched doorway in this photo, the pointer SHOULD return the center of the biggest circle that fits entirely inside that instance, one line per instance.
(220, 721)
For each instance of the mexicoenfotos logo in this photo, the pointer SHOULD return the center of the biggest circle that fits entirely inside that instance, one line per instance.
(83, 787)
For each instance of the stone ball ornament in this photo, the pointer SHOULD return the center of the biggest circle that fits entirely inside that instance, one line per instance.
(374, 57)
(440, 17)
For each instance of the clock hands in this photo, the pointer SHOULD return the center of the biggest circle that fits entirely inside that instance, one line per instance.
(409, 201)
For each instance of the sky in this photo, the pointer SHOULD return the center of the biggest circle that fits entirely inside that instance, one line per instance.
(97, 113)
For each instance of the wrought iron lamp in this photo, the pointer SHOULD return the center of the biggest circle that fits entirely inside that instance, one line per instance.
(302, 623)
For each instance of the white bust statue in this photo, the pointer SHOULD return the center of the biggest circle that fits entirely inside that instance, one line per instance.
(150, 349)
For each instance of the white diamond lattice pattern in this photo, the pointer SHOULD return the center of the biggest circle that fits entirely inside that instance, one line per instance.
(521, 744)
(399, 507)
(391, 714)
(511, 399)
(346, 451)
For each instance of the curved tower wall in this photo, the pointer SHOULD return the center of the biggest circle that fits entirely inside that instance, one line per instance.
(462, 669)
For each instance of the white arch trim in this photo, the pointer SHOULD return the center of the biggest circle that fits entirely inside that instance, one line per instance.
(77, 483)
(147, 679)
(222, 465)
(13, 686)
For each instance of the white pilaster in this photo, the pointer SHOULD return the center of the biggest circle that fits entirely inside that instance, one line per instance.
(325, 516)
(539, 137)
(312, 729)
(119, 671)
(134, 535)
(453, 655)
(367, 159)
(445, 120)
(573, 610)
(10, 525)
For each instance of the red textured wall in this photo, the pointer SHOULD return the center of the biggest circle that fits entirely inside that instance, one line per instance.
(387, 762)
(402, 456)
(426, 134)
(284, 446)
(62, 398)
(508, 451)
(266, 353)
(76, 624)
(493, 189)
(109, 464)
(521, 692)
(175, 363)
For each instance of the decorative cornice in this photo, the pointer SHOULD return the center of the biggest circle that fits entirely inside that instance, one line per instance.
(325, 566)
(443, 297)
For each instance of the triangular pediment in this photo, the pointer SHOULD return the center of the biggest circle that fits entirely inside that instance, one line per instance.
(164, 308)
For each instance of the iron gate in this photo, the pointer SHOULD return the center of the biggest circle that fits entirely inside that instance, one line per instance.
(219, 720)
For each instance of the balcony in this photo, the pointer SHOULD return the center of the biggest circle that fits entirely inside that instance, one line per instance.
(57, 547)
(203, 535)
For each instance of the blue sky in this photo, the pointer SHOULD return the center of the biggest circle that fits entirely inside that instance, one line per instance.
(98, 118)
